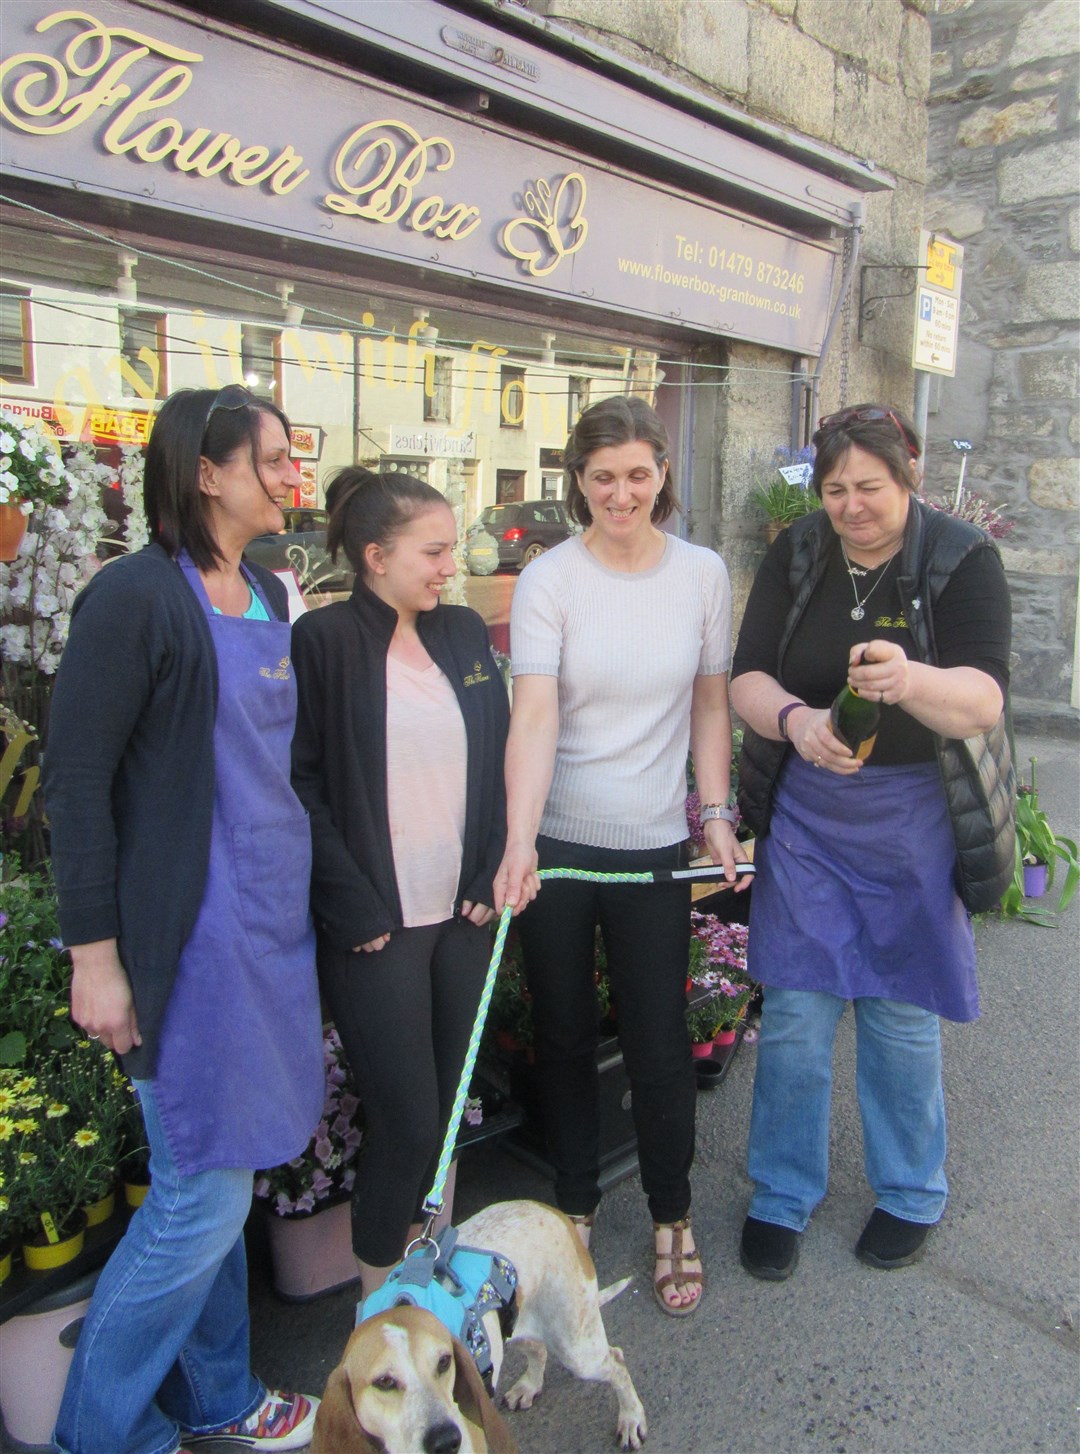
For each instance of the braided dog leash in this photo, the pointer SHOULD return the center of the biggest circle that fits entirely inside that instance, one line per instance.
(711, 872)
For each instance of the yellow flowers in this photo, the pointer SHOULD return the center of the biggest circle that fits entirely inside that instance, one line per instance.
(7, 1128)
(56, 1110)
(27, 1126)
(86, 1138)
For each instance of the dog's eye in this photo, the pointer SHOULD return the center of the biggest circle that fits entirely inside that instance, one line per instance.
(445, 1362)
(387, 1383)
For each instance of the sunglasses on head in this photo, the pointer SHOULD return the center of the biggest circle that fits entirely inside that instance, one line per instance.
(866, 416)
(232, 396)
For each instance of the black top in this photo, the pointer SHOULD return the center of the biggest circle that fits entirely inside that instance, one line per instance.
(971, 622)
(339, 757)
(129, 771)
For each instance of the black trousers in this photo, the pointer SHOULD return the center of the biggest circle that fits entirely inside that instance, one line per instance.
(646, 930)
(404, 1014)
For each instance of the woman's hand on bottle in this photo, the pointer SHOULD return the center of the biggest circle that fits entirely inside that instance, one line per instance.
(878, 671)
(372, 946)
(101, 998)
(516, 882)
(815, 742)
(726, 849)
(478, 914)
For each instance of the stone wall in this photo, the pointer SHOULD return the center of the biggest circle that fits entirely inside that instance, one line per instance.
(1004, 171)
(853, 76)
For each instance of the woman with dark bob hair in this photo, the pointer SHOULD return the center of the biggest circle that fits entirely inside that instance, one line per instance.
(182, 860)
(621, 643)
(398, 759)
(867, 866)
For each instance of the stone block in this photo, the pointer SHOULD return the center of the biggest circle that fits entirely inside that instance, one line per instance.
(997, 126)
(779, 52)
(915, 54)
(869, 32)
(1051, 291)
(1047, 30)
(881, 121)
(980, 57)
(626, 21)
(1029, 560)
(1055, 483)
(956, 218)
(1074, 428)
(1048, 170)
(1034, 80)
(951, 7)
(782, 7)
(941, 66)
(1019, 424)
(1050, 375)
(713, 43)
(1074, 228)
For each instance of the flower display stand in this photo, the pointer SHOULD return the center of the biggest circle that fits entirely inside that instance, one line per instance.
(36, 1348)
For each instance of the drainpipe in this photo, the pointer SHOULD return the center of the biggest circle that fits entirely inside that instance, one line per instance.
(845, 288)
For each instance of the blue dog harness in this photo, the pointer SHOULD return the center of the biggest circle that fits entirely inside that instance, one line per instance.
(458, 1285)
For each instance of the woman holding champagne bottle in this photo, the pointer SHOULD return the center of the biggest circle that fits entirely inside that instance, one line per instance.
(871, 670)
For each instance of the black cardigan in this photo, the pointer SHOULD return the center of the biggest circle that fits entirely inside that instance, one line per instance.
(129, 771)
(339, 757)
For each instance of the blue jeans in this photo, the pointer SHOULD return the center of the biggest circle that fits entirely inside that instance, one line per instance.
(901, 1102)
(165, 1341)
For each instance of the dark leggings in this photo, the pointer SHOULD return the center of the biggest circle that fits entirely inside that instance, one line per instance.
(404, 1014)
(646, 931)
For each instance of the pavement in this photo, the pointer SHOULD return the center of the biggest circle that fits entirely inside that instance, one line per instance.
(972, 1351)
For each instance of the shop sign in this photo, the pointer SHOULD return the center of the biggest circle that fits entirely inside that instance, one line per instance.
(117, 426)
(434, 443)
(29, 411)
(937, 305)
(133, 102)
(307, 441)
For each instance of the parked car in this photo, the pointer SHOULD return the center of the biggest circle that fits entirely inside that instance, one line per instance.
(515, 533)
(301, 546)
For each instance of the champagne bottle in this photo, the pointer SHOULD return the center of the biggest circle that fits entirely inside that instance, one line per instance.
(855, 721)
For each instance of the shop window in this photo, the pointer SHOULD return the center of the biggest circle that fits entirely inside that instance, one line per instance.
(418, 468)
(577, 399)
(551, 474)
(143, 348)
(513, 399)
(16, 344)
(437, 376)
(260, 355)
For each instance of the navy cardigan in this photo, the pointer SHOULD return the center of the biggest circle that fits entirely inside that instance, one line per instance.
(129, 771)
(339, 757)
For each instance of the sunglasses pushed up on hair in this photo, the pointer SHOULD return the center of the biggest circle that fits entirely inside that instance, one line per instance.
(866, 416)
(232, 396)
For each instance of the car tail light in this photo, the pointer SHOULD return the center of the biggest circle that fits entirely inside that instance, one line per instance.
(514, 533)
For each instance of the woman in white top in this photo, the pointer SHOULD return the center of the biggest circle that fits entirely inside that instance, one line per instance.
(621, 644)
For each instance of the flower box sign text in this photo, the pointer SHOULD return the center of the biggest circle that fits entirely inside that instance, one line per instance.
(134, 103)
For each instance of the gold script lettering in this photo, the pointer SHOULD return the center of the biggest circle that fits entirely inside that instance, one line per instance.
(35, 97)
(554, 228)
(389, 160)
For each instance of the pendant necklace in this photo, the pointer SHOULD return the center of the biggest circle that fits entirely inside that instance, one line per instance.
(858, 611)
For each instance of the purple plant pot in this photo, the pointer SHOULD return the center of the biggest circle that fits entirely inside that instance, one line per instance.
(1035, 876)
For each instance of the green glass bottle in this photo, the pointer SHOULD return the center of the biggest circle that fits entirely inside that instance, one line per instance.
(855, 721)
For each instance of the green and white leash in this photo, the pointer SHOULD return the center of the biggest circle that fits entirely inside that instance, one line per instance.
(711, 872)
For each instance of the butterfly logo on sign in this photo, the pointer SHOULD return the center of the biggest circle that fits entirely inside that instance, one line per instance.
(555, 228)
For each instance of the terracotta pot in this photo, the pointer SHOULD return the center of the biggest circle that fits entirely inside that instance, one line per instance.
(101, 1210)
(772, 530)
(13, 525)
(40, 1255)
(312, 1255)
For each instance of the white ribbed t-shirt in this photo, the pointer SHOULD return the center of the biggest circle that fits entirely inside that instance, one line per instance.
(626, 647)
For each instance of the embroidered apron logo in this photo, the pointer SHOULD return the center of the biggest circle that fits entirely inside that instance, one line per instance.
(279, 673)
(476, 676)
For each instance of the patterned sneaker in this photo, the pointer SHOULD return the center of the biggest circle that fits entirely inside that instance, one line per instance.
(282, 1421)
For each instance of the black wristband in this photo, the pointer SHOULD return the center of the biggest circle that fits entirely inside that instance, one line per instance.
(782, 716)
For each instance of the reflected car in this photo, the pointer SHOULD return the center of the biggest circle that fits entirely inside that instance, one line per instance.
(301, 547)
(511, 535)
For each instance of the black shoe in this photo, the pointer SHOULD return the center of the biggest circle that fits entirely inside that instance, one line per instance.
(768, 1251)
(889, 1241)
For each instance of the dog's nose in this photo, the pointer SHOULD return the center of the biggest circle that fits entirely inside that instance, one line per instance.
(444, 1438)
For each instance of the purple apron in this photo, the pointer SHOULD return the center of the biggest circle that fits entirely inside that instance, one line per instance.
(239, 1079)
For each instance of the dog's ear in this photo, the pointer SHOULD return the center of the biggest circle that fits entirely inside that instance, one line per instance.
(475, 1403)
(336, 1429)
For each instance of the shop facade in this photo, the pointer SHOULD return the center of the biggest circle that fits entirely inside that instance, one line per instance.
(430, 241)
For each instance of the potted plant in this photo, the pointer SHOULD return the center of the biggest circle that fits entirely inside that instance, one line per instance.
(718, 967)
(308, 1197)
(781, 488)
(32, 478)
(1038, 848)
